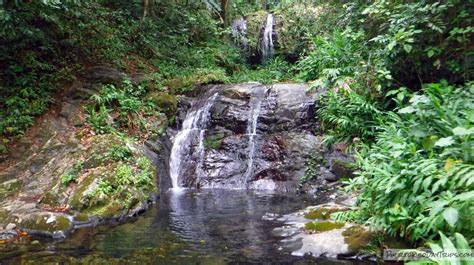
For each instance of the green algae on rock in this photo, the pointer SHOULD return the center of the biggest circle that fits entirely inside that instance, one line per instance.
(322, 226)
(356, 237)
(321, 213)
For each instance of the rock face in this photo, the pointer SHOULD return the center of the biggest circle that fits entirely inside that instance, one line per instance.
(254, 136)
(60, 176)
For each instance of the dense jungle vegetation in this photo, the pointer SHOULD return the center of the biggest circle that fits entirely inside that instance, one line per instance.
(397, 75)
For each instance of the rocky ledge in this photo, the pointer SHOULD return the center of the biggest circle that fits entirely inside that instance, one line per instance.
(61, 176)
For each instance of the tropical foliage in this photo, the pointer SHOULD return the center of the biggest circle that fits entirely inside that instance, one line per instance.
(398, 75)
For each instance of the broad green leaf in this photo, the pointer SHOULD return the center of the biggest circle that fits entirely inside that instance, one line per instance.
(405, 110)
(449, 247)
(437, 206)
(451, 215)
(445, 141)
(407, 48)
(461, 242)
(465, 196)
(460, 131)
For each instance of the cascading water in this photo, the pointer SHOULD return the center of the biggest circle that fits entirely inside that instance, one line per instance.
(267, 41)
(255, 107)
(194, 126)
(239, 33)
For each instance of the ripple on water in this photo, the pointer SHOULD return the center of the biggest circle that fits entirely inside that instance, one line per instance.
(186, 227)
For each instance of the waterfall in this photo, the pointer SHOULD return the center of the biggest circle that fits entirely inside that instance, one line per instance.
(267, 41)
(239, 33)
(195, 122)
(255, 107)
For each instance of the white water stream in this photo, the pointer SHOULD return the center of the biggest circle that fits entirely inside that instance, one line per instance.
(195, 122)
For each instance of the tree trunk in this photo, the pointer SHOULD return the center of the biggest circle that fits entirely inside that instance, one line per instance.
(147, 7)
(225, 12)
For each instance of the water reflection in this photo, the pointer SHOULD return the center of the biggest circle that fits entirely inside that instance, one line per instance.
(185, 227)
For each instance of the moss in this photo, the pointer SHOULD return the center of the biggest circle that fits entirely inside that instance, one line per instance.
(213, 142)
(81, 217)
(50, 198)
(255, 23)
(356, 237)
(4, 216)
(111, 210)
(322, 226)
(3, 148)
(167, 103)
(101, 145)
(77, 201)
(343, 169)
(62, 223)
(9, 188)
(39, 223)
(321, 213)
(186, 83)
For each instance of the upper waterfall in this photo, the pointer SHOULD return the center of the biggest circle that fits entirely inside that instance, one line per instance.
(267, 49)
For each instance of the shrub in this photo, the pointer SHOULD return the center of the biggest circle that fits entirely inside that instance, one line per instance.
(417, 179)
(345, 116)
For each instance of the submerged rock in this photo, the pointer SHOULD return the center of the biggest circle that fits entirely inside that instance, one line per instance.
(309, 232)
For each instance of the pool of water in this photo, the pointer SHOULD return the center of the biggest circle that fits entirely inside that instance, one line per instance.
(186, 227)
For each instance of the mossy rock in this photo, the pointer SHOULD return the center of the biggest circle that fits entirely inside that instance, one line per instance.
(317, 227)
(321, 213)
(236, 94)
(255, 23)
(99, 147)
(343, 169)
(213, 142)
(46, 223)
(113, 209)
(356, 237)
(50, 198)
(81, 217)
(187, 83)
(115, 179)
(166, 102)
(10, 187)
(80, 199)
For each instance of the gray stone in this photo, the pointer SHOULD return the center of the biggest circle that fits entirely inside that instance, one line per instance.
(10, 226)
(104, 74)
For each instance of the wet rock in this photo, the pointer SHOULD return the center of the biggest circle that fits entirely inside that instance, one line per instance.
(310, 232)
(342, 168)
(8, 234)
(328, 175)
(283, 141)
(10, 226)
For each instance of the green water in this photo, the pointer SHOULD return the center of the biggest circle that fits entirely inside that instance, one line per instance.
(191, 227)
